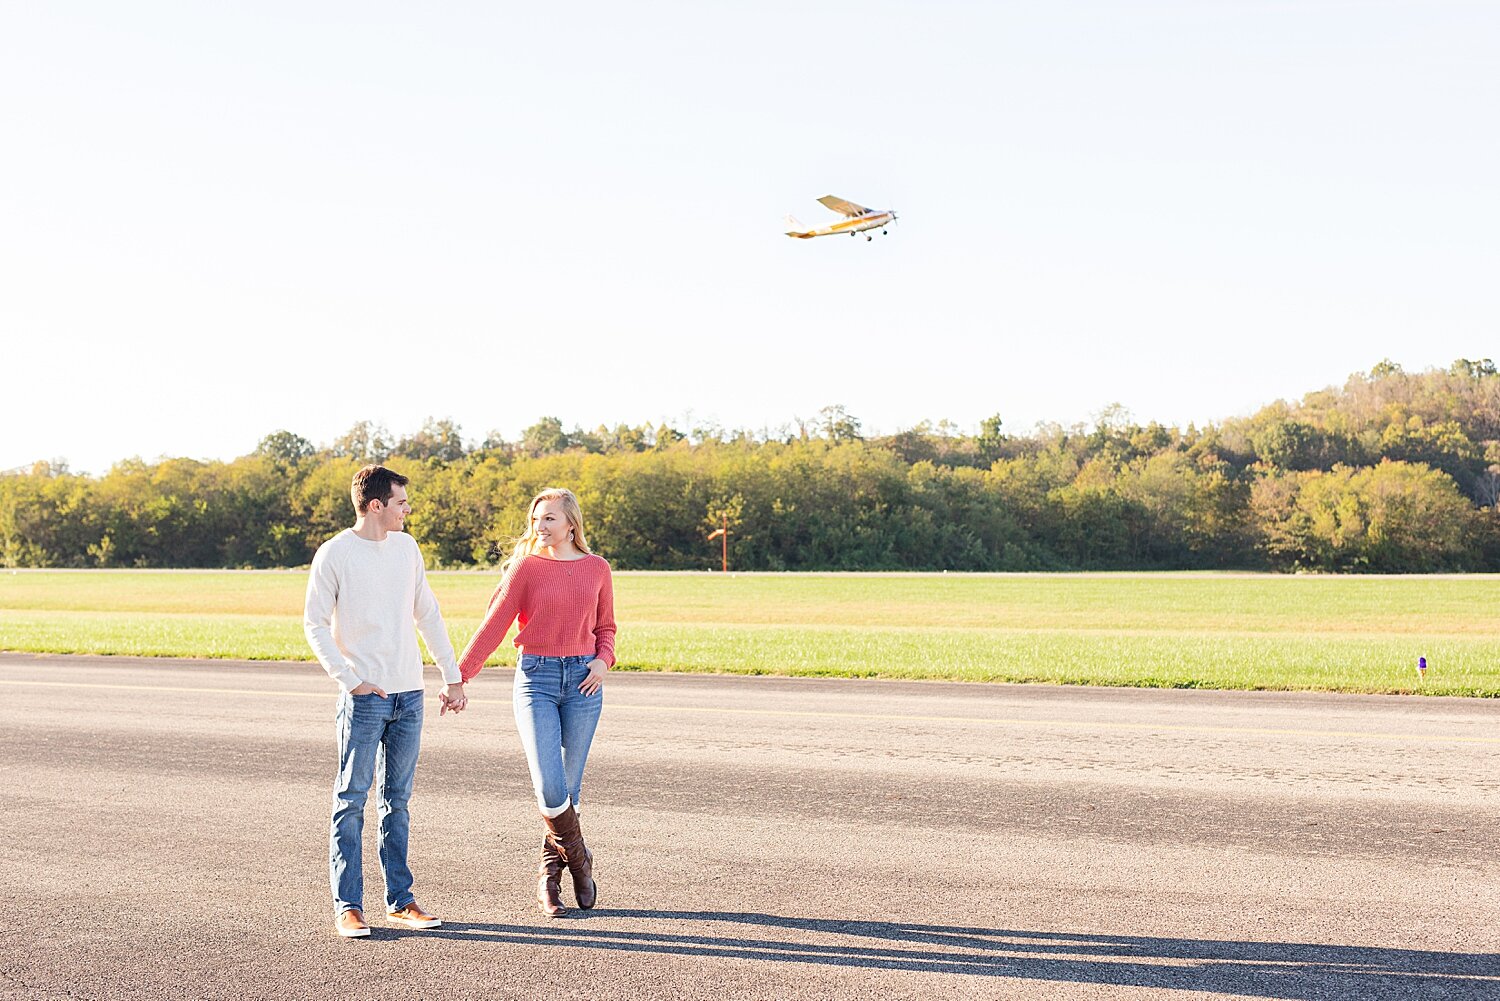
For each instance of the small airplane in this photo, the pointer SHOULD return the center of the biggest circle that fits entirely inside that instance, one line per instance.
(857, 219)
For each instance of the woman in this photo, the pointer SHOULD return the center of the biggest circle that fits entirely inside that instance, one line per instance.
(564, 598)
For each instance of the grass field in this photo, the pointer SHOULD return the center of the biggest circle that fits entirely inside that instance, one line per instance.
(1350, 634)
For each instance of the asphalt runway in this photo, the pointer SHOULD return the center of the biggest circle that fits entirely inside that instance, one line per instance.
(165, 835)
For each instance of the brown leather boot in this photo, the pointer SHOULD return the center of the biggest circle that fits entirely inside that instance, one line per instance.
(549, 885)
(568, 837)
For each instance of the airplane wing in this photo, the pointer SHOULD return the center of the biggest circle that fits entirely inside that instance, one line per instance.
(842, 207)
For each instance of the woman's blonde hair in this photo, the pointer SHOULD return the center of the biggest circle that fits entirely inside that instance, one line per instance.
(526, 544)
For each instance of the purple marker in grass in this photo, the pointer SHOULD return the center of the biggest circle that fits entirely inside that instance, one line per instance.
(1421, 667)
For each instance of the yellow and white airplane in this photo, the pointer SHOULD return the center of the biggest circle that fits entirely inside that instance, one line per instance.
(856, 219)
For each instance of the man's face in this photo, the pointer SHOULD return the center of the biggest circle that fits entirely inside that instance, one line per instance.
(391, 514)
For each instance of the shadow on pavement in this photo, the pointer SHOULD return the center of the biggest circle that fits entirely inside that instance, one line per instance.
(1255, 969)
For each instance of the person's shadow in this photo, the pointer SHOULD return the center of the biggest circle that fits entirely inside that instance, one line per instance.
(1255, 969)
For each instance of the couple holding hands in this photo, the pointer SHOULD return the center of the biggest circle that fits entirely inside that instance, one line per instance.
(367, 588)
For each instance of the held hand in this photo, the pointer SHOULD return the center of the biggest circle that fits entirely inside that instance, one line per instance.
(595, 680)
(366, 688)
(453, 698)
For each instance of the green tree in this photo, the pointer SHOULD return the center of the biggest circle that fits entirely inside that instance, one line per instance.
(990, 441)
(665, 437)
(623, 438)
(1391, 518)
(48, 518)
(1442, 445)
(837, 424)
(320, 501)
(438, 441)
(1466, 369)
(545, 437)
(285, 448)
(365, 442)
(1291, 444)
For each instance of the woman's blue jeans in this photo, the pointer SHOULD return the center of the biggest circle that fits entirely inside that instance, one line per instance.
(377, 737)
(556, 722)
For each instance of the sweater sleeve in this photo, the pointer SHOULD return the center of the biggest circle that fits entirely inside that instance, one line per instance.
(317, 621)
(429, 619)
(505, 605)
(604, 621)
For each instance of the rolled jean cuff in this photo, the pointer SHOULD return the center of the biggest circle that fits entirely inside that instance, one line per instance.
(554, 811)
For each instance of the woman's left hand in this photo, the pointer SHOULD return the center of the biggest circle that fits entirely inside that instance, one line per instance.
(595, 680)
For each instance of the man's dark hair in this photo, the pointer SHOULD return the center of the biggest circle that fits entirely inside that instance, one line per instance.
(374, 483)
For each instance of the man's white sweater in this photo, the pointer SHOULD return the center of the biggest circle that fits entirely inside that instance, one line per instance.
(362, 600)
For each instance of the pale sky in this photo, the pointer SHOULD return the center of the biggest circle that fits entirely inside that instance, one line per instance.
(218, 220)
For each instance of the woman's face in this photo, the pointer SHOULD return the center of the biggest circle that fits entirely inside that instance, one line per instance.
(550, 524)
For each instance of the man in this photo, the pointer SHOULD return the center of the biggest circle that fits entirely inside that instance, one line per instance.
(367, 587)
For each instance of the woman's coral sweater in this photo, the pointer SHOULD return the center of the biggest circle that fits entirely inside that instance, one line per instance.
(566, 608)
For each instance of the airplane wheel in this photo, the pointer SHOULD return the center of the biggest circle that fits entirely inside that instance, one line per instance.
(882, 232)
(868, 239)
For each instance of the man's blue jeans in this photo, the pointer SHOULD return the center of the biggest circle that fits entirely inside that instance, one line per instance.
(556, 722)
(377, 737)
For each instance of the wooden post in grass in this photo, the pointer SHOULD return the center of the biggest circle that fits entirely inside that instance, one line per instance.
(722, 532)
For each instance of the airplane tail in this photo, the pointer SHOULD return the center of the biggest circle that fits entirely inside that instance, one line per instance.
(795, 228)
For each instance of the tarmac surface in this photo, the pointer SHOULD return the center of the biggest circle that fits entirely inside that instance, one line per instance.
(165, 831)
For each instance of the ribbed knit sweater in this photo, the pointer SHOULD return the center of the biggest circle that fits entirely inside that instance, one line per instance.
(362, 599)
(566, 609)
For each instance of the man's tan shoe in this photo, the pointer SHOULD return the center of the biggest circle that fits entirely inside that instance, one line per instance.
(351, 924)
(413, 916)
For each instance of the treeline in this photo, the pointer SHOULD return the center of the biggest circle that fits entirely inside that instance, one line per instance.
(1392, 472)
